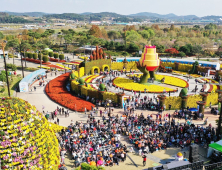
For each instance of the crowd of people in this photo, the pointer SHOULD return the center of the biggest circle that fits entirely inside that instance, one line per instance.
(95, 142)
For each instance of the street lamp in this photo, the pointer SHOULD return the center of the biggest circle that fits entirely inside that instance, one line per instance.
(6, 71)
(19, 36)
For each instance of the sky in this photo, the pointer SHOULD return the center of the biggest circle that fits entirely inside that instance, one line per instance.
(179, 7)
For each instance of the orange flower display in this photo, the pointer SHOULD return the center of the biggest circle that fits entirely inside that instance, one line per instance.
(56, 90)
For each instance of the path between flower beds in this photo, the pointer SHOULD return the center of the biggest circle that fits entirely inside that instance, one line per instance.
(56, 90)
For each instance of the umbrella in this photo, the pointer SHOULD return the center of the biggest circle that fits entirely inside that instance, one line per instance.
(193, 109)
(91, 149)
(92, 163)
(99, 162)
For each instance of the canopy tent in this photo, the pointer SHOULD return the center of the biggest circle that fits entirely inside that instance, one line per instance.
(29, 79)
(48, 49)
(214, 146)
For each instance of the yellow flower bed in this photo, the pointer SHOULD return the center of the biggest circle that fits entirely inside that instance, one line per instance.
(174, 81)
(174, 101)
(60, 65)
(192, 100)
(185, 67)
(117, 66)
(81, 71)
(28, 140)
(128, 84)
(180, 72)
(168, 64)
(213, 98)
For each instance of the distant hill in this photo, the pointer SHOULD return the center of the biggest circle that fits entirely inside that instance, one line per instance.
(31, 14)
(167, 16)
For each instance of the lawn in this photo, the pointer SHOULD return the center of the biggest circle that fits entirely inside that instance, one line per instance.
(13, 84)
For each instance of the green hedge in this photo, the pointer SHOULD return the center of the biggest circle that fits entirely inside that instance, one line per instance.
(50, 54)
(30, 55)
(56, 55)
(39, 55)
(45, 58)
(35, 56)
(61, 56)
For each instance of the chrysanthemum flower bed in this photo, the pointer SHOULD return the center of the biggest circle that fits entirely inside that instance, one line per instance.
(27, 139)
(56, 90)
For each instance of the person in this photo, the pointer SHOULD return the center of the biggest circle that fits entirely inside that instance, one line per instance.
(144, 160)
(63, 167)
(57, 120)
(85, 111)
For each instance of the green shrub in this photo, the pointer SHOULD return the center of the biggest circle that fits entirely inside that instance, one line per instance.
(56, 55)
(2, 90)
(45, 58)
(45, 52)
(61, 56)
(81, 81)
(14, 67)
(35, 56)
(39, 56)
(26, 55)
(30, 55)
(50, 54)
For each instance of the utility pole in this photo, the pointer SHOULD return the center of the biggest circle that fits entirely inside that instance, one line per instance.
(20, 49)
(6, 71)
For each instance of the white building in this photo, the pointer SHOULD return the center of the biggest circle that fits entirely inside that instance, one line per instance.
(95, 22)
(1, 54)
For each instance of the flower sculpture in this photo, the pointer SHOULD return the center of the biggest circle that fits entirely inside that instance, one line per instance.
(27, 139)
(148, 62)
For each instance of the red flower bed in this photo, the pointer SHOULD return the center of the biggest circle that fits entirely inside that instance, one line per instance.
(53, 59)
(57, 60)
(56, 91)
(75, 62)
(35, 61)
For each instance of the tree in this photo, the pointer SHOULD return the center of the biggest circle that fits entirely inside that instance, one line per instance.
(40, 56)
(210, 26)
(182, 54)
(25, 46)
(113, 35)
(104, 34)
(160, 48)
(172, 51)
(155, 26)
(197, 49)
(1, 36)
(133, 47)
(172, 27)
(95, 31)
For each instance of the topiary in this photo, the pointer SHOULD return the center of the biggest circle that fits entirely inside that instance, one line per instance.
(72, 76)
(30, 55)
(81, 81)
(35, 56)
(56, 55)
(45, 58)
(183, 92)
(102, 87)
(40, 56)
(61, 56)
(50, 54)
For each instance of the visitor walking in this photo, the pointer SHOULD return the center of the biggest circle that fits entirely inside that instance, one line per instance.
(57, 120)
(144, 160)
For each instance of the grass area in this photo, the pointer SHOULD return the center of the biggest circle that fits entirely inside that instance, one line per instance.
(13, 84)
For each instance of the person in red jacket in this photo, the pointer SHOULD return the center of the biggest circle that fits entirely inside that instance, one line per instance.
(144, 160)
